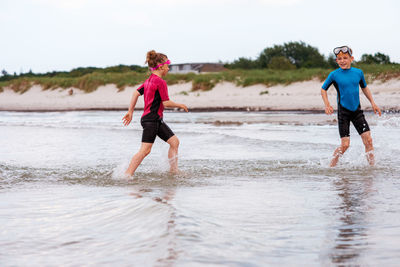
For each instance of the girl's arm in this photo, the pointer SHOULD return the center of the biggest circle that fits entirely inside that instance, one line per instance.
(172, 104)
(368, 94)
(134, 99)
(128, 116)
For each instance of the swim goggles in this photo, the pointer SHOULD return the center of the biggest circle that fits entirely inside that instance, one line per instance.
(345, 49)
(159, 65)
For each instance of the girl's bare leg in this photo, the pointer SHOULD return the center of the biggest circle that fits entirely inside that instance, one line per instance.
(138, 158)
(173, 153)
(345, 143)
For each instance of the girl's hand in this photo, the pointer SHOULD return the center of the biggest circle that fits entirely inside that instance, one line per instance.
(127, 119)
(376, 109)
(184, 107)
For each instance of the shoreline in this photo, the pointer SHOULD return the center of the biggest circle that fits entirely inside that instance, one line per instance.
(296, 97)
(195, 110)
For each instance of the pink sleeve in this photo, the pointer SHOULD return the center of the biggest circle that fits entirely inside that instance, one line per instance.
(163, 90)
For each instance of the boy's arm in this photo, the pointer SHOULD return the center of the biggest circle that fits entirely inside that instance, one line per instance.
(368, 94)
(328, 107)
(172, 104)
(128, 116)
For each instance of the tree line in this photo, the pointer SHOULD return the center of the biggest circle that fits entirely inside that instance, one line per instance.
(294, 55)
(291, 55)
(77, 72)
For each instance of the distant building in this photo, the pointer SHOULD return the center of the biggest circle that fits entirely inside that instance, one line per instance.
(196, 67)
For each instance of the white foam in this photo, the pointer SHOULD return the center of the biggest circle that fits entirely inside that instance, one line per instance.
(119, 171)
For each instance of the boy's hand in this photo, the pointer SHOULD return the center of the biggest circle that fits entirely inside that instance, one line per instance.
(127, 119)
(328, 109)
(184, 107)
(376, 109)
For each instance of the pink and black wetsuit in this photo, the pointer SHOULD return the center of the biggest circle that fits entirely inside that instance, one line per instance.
(155, 91)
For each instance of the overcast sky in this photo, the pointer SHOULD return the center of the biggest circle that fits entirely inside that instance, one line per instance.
(47, 35)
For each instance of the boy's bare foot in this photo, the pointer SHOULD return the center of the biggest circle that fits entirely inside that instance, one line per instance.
(174, 171)
(370, 157)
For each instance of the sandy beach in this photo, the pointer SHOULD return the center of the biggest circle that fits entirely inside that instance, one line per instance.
(224, 96)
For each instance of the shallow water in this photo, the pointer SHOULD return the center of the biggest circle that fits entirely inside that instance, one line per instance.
(255, 190)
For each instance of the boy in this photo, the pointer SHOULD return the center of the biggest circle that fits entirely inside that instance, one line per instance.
(347, 80)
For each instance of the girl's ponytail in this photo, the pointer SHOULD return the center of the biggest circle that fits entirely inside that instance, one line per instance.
(153, 58)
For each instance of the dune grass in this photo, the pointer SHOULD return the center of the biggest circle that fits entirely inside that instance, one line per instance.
(205, 81)
(379, 72)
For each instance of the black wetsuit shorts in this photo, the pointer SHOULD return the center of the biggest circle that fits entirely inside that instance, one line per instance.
(153, 128)
(346, 116)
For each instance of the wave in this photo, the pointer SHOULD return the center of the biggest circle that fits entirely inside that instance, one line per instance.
(387, 122)
(112, 120)
(193, 172)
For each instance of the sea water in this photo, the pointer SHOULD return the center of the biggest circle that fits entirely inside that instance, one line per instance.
(255, 189)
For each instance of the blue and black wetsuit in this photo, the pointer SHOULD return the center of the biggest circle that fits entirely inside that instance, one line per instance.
(347, 83)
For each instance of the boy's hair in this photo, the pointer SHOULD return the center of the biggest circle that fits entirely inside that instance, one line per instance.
(153, 58)
(342, 54)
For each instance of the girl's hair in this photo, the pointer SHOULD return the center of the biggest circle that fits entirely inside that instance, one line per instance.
(153, 58)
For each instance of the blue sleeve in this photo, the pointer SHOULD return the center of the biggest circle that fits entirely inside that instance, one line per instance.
(328, 81)
(362, 82)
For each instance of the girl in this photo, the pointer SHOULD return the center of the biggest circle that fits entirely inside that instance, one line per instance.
(155, 93)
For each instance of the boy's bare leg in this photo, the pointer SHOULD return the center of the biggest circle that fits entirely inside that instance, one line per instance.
(345, 143)
(173, 153)
(144, 150)
(369, 148)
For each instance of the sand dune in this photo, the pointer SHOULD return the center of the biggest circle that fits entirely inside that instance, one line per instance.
(296, 96)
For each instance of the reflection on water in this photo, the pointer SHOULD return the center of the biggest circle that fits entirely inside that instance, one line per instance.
(352, 237)
(165, 197)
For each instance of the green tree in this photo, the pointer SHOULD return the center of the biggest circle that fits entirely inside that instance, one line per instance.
(5, 76)
(298, 53)
(280, 63)
(268, 53)
(332, 61)
(378, 58)
(382, 58)
(243, 63)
